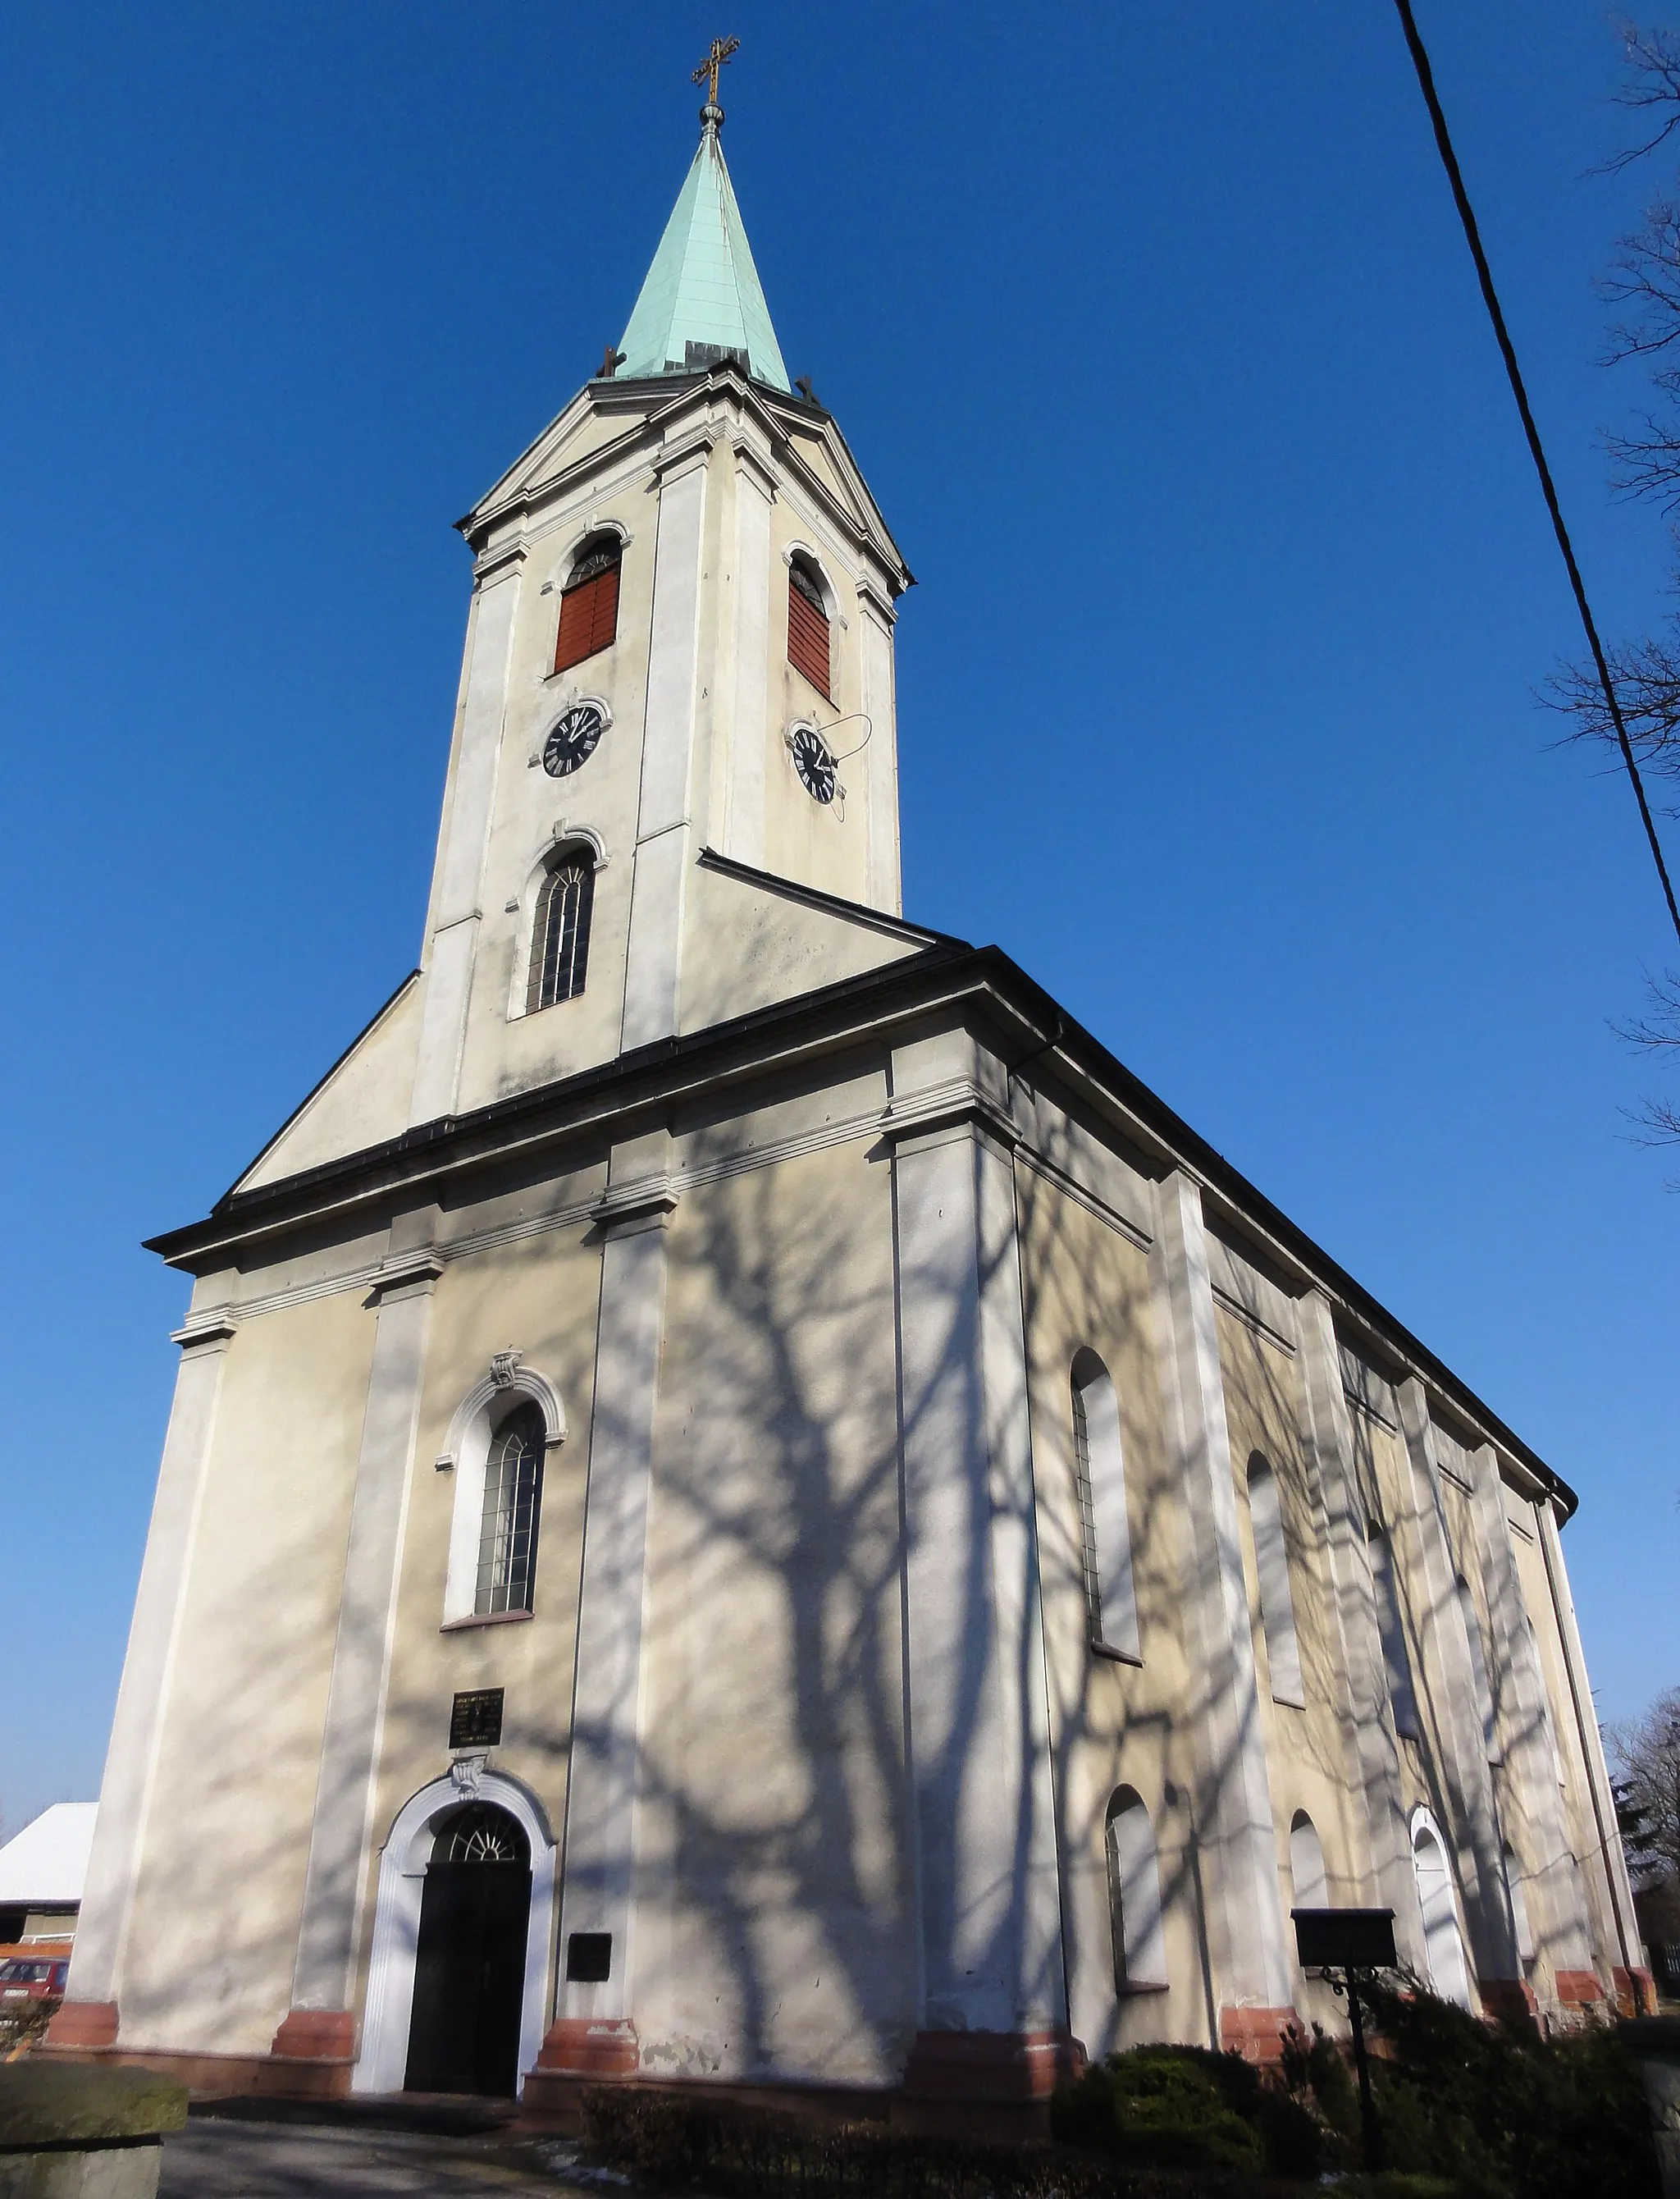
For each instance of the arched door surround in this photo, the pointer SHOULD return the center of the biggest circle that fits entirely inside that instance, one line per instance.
(383, 2061)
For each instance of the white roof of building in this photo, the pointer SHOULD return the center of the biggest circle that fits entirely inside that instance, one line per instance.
(47, 1863)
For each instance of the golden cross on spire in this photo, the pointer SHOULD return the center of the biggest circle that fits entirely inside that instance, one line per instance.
(722, 49)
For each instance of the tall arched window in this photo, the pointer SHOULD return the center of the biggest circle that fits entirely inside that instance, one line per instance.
(1306, 1863)
(1479, 1679)
(1403, 1700)
(808, 626)
(1271, 1564)
(1105, 1532)
(1135, 1917)
(513, 1499)
(1443, 1944)
(559, 937)
(588, 604)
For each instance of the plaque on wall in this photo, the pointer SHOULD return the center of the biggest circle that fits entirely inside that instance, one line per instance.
(475, 1720)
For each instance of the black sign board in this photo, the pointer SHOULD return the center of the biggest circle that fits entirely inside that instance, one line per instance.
(588, 1958)
(1346, 1938)
(475, 1721)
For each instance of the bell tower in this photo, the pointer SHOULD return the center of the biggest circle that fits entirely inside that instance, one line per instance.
(678, 689)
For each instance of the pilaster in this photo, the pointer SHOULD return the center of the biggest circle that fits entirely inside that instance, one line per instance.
(593, 2031)
(748, 733)
(663, 830)
(1244, 1910)
(1524, 1719)
(457, 914)
(987, 1885)
(88, 2015)
(341, 1832)
(1373, 1746)
(878, 763)
(1447, 1681)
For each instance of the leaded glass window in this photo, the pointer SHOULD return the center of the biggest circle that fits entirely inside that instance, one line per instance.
(559, 939)
(513, 1497)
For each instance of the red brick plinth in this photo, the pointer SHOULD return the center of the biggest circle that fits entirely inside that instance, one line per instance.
(1256, 2033)
(576, 2051)
(990, 2065)
(1579, 1988)
(81, 2024)
(1636, 1992)
(312, 2057)
(1510, 2000)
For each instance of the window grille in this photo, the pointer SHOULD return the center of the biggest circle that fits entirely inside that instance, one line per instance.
(513, 1496)
(589, 606)
(482, 1834)
(559, 939)
(808, 629)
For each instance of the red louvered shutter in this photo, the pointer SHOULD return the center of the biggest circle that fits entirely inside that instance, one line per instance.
(807, 636)
(588, 619)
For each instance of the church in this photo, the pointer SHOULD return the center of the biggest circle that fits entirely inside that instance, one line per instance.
(744, 1506)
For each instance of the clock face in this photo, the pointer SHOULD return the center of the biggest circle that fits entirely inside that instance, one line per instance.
(813, 763)
(573, 740)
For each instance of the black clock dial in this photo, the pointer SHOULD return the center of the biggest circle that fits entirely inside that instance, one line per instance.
(814, 764)
(573, 740)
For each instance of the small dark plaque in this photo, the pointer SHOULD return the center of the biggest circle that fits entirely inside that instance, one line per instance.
(588, 1958)
(475, 1721)
(1346, 1938)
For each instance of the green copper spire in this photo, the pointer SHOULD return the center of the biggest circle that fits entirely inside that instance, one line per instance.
(702, 301)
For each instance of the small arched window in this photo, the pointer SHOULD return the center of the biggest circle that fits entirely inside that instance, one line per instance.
(1403, 1700)
(1306, 1864)
(513, 1500)
(588, 604)
(1271, 1564)
(1443, 1942)
(559, 937)
(1135, 1917)
(1479, 1679)
(1105, 1531)
(808, 626)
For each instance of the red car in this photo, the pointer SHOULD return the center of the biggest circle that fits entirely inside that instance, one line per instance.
(22, 1977)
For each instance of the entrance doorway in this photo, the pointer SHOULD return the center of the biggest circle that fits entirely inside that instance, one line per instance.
(469, 1956)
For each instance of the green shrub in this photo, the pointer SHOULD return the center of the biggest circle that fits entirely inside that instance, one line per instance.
(1490, 2112)
(1158, 2106)
(688, 2141)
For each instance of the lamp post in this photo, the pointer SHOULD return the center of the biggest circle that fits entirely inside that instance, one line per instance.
(1357, 1942)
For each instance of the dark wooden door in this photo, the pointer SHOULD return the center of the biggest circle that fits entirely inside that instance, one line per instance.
(469, 1978)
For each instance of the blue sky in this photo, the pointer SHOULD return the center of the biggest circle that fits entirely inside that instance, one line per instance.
(1153, 332)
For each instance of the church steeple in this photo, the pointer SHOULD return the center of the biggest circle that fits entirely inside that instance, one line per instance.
(702, 301)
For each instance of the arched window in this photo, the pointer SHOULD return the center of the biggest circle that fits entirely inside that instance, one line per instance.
(588, 604)
(1442, 1945)
(1306, 1863)
(1479, 1679)
(1271, 1563)
(808, 626)
(1134, 1916)
(559, 937)
(1402, 1699)
(1526, 1950)
(513, 1499)
(1105, 1532)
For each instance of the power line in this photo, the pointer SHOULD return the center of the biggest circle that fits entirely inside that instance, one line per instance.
(1508, 352)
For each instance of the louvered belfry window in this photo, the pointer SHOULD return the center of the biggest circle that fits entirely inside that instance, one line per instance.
(559, 939)
(589, 607)
(807, 629)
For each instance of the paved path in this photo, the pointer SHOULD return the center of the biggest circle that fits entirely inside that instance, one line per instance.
(213, 2159)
